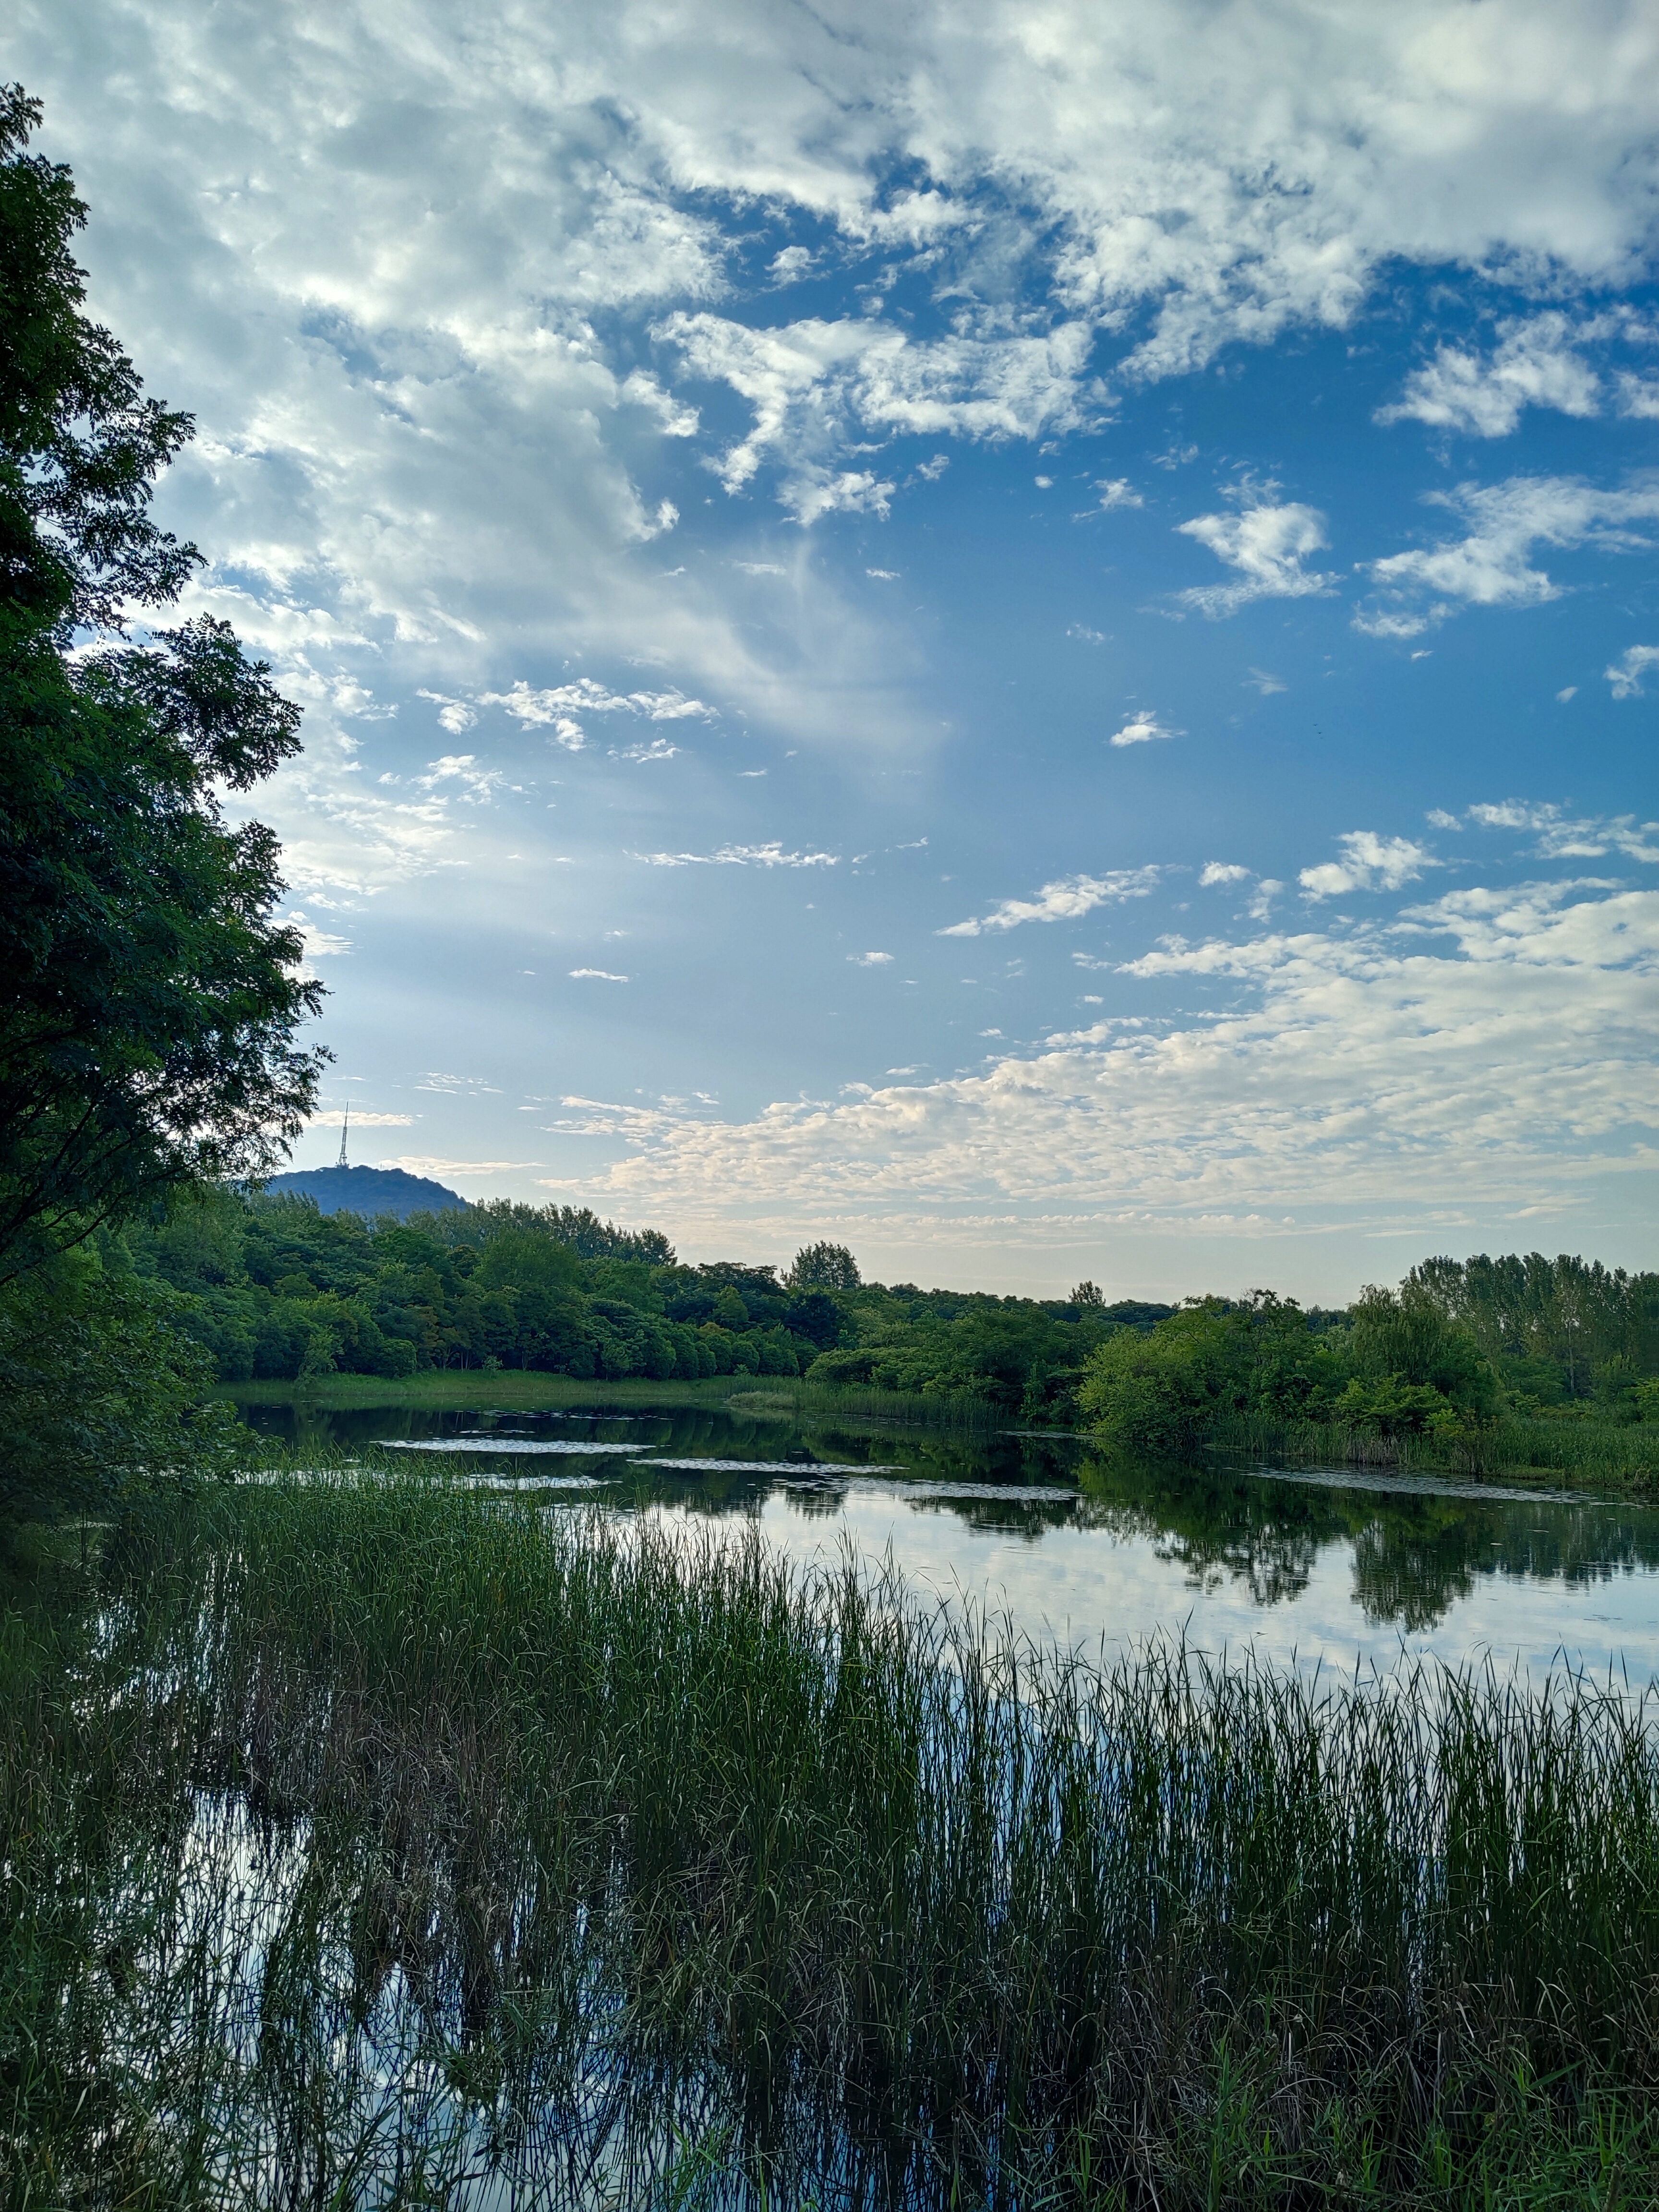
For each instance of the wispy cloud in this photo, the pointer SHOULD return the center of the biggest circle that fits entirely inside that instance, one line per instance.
(1065, 900)
(1491, 565)
(1563, 836)
(871, 959)
(596, 975)
(556, 707)
(1628, 673)
(422, 1164)
(740, 856)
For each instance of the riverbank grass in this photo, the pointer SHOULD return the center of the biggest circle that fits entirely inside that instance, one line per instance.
(369, 1829)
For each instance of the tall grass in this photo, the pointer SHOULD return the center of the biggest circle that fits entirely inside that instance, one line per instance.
(1622, 1456)
(959, 1410)
(383, 1835)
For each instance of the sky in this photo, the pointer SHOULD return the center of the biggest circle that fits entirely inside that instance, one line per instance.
(1024, 637)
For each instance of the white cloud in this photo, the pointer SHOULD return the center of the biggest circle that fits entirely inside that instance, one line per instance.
(535, 709)
(1369, 863)
(596, 975)
(1222, 872)
(815, 388)
(1535, 363)
(1490, 565)
(1259, 680)
(1266, 545)
(1626, 674)
(454, 714)
(420, 1165)
(1063, 901)
(1562, 835)
(335, 1116)
(770, 855)
(475, 785)
(1118, 492)
(1142, 729)
(871, 959)
(654, 748)
(1491, 1049)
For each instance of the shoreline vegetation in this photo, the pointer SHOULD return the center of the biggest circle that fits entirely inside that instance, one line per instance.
(1524, 1366)
(403, 1844)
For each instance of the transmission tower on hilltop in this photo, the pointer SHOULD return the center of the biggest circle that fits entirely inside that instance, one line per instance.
(344, 1125)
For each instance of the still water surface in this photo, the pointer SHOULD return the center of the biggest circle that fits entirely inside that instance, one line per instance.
(1337, 1565)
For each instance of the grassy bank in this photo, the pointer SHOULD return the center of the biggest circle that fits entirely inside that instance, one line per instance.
(1618, 1457)
(517, 1391)
(382, 1834)
(514, 1389)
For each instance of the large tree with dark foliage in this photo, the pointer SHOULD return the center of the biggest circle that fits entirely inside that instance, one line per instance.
(149, 1001)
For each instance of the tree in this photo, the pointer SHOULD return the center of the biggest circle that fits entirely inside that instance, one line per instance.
(824, 1267)
(150, 1001)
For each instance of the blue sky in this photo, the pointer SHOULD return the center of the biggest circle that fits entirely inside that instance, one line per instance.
(1024, 637)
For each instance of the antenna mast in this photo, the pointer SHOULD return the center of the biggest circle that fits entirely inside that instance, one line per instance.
(344, 1125)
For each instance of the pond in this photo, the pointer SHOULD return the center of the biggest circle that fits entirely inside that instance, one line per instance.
(1340, 1566)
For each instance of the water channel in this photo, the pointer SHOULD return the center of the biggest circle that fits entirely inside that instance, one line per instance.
(1342, 1566)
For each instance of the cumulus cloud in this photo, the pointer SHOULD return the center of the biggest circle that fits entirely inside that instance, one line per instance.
(1266, 545)
(1627, 674)
(1535, 363)
(1490, 1048)
(1369, 863)
(1063, 901)
(1142, 729)
(1222, 872)
(871, 959)
(1490, 565)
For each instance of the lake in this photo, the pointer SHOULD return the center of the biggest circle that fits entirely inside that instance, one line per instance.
(1340, 1566)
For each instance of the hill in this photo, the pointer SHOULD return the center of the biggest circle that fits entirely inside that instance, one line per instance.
(367, 1191)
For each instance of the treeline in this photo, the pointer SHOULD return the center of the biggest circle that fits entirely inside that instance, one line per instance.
(272, 1289)
(1458, 1347)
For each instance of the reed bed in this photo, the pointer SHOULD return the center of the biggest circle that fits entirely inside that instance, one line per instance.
(372, 1842)
(957, 1410)
(1621, 1456)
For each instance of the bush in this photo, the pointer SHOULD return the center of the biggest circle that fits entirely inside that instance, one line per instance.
(1166, 1391)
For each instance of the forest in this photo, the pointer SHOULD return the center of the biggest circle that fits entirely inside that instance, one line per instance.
(273, 1290)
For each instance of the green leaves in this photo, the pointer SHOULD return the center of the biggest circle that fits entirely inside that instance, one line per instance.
(150, 1001)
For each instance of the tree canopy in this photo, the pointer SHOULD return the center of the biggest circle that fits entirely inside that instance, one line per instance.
(151, 1001)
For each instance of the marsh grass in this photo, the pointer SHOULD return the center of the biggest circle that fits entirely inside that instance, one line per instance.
(1619, 1455)
(373, 1842)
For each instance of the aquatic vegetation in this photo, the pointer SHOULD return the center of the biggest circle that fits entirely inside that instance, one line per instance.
(369, 1836)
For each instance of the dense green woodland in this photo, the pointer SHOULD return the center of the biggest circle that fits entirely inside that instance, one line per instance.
(274, 1289)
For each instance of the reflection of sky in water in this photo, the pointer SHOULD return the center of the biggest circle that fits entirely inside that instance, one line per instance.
(1345, 1569)
(1082, 1584)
